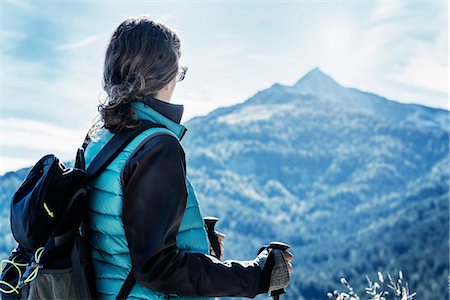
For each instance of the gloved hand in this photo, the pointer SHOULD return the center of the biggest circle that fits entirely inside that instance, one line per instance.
(277, 263)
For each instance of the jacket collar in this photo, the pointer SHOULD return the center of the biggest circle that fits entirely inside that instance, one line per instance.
(172, 111)
(161, 112)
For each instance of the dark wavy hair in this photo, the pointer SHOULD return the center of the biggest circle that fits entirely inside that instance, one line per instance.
(141, 58)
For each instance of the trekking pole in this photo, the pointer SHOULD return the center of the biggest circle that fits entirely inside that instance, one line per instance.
(280, 246)
(210, 222)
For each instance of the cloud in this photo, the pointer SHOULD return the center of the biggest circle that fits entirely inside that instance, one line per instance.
(20, 4)
(67, 96)
(426, 66)
(8, 163)
(384, 11)
(47, 109)
(11, 38)
(195, 106)
(406, 44)
(37, 135)
(78, 44)
(423, 70)
(37, 139)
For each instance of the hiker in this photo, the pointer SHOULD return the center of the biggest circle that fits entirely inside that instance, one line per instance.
(145, 228)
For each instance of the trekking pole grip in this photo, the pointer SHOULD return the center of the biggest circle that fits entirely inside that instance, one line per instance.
(280, 246)
(210, 222)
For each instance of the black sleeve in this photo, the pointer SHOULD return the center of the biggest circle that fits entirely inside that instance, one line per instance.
(155, 196)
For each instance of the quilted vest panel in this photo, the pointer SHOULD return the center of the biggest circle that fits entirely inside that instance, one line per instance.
(109, 247)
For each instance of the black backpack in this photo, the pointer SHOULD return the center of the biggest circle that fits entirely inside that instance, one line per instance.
(52, 259)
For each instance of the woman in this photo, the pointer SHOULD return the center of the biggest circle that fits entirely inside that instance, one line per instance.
(146, 231)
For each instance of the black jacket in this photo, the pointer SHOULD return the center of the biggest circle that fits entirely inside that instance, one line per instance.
(155, 195)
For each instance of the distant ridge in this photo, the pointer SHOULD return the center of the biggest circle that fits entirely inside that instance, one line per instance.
(318, 86)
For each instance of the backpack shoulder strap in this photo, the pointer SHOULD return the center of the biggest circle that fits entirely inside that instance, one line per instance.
(106, 155)
(117, 143)
(127, 286)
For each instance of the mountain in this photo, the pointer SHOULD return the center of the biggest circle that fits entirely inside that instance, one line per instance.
(354, 182)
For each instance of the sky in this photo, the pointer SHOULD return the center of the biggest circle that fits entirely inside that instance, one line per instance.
(52, 54)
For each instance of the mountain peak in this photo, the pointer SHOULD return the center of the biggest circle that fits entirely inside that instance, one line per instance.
(315, 77)
(318, 83)
(316, 71)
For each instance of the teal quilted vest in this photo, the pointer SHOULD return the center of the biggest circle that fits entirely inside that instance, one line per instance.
(109, 247)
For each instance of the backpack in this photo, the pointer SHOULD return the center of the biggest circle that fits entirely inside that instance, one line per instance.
(52, 259)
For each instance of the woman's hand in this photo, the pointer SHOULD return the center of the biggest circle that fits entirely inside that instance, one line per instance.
(221, 237)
